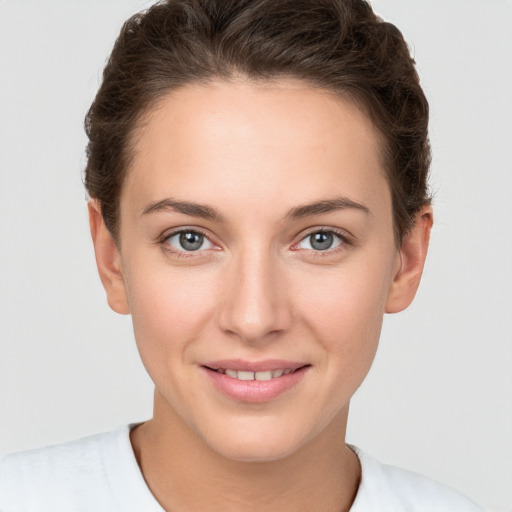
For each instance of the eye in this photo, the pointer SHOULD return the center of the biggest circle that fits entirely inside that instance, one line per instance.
(188, 241)
(322, 240)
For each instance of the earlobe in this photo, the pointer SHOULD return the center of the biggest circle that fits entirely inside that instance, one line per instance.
(108, 260)
(412, 260)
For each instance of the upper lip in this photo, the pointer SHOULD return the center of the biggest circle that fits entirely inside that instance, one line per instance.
(254, 366)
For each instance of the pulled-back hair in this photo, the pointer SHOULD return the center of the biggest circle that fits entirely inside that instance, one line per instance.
(338, 45)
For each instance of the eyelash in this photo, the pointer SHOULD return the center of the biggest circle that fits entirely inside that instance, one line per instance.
(345, 240)
(342, 236)
(181, 254)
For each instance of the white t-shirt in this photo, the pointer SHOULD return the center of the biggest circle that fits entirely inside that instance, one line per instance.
(100, 474)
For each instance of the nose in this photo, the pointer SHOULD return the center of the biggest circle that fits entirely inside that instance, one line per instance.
(254, 304)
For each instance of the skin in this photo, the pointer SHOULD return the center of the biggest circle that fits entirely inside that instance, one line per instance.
(256, 289)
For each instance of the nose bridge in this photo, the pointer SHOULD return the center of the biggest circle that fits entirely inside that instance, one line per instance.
(255, 299)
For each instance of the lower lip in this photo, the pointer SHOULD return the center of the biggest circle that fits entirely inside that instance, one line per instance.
(255, 391)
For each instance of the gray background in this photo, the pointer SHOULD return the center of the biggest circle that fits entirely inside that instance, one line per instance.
(439, 398)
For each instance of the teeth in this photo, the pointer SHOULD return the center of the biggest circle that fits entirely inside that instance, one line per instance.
(261, 376)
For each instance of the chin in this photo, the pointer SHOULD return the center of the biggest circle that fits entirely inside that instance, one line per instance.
(256, 443)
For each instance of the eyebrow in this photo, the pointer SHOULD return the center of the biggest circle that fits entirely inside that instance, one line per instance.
(185, 207)
(325, 206)
(298, 212)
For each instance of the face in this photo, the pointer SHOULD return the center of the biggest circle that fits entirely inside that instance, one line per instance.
(257, 259)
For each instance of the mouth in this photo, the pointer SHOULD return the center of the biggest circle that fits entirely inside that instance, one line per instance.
(255, 382)
(260, 376)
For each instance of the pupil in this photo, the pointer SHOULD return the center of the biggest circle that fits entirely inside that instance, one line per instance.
(191, 241)
(322, 241)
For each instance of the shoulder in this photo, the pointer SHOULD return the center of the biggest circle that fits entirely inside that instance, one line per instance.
(388, 488)
(58, 477)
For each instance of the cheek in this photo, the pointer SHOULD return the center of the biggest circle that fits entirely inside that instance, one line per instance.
(170, 309)
(344, 308)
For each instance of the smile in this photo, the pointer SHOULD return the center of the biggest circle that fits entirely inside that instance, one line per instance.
(255, 382)
(261, 376)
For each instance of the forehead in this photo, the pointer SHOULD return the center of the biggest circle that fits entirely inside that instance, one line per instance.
(275, 142)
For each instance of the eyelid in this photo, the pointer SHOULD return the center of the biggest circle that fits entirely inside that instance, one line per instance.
(181, 253)
(345, 238)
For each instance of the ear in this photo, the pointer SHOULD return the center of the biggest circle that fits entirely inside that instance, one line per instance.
(108, 260)
(412, 259)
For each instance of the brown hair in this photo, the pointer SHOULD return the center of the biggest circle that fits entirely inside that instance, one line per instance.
(339, 45)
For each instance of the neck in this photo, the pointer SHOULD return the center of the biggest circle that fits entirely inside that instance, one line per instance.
(183, 473)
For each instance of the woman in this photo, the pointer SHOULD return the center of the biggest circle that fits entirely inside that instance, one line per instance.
(257, 174)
